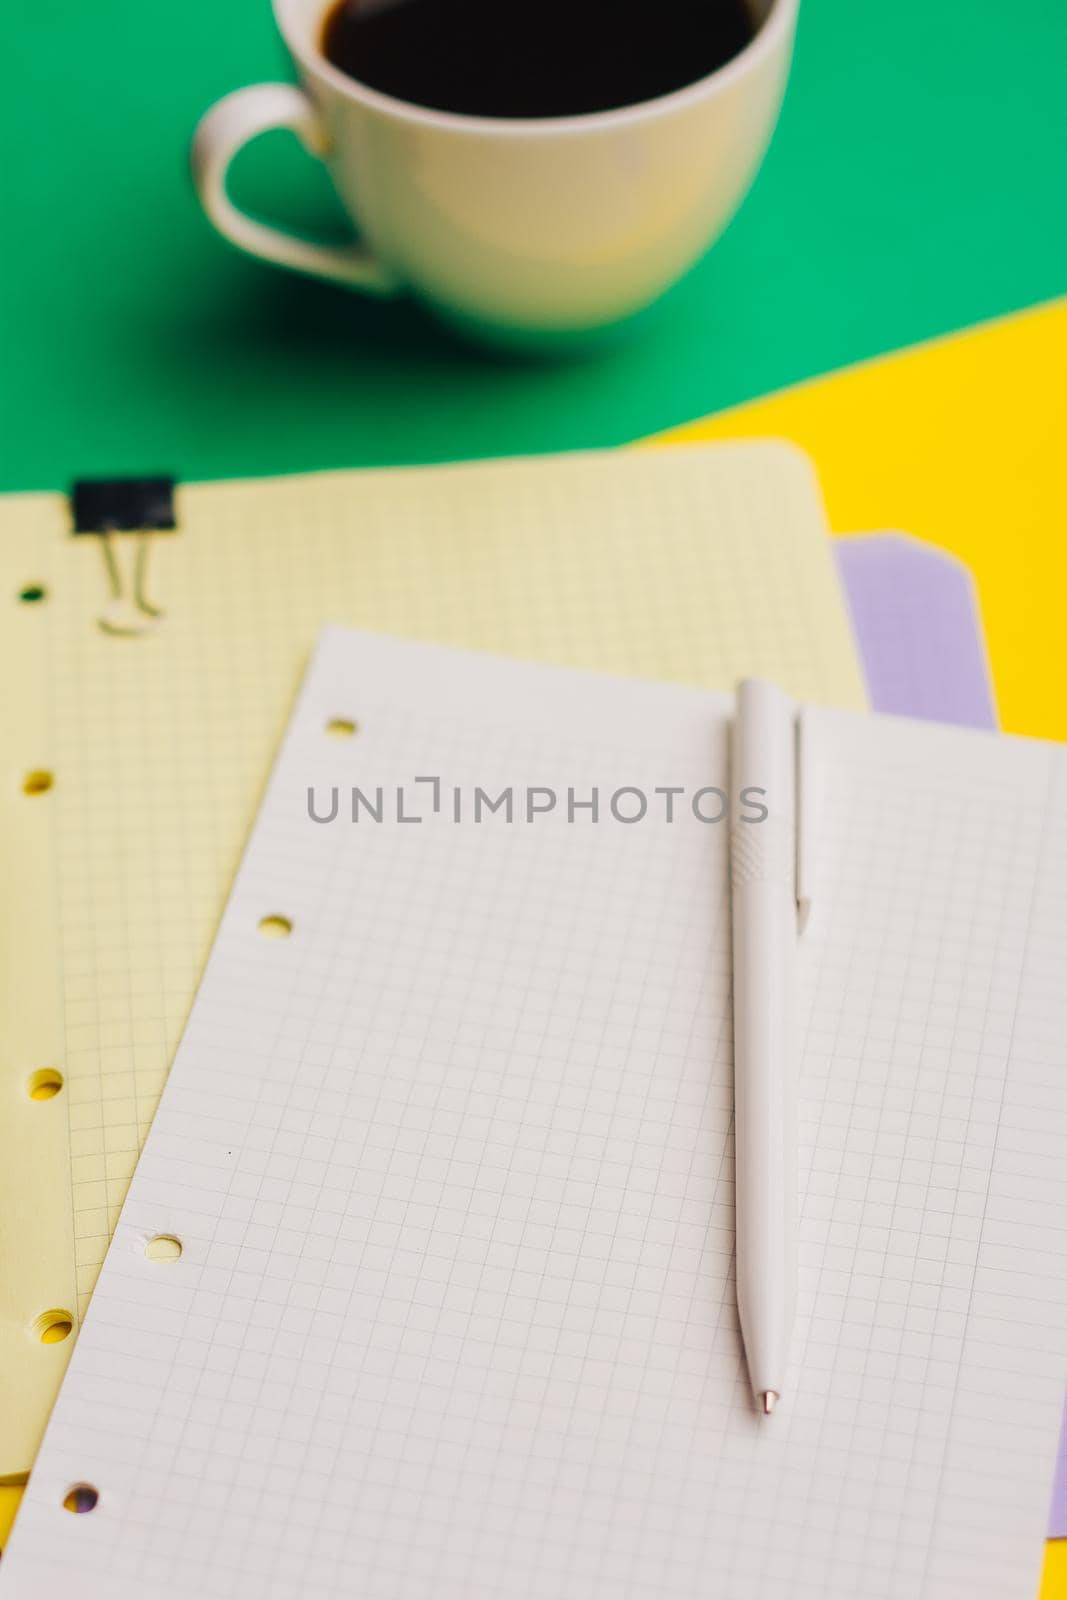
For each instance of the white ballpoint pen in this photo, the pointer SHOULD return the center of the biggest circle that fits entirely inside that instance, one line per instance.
(764, 894)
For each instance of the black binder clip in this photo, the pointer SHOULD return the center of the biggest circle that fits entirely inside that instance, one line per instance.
(143, 506)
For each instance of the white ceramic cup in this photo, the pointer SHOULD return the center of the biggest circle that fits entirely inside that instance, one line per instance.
(511, 227)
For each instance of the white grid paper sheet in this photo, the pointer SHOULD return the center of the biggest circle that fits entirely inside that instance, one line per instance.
(451, 1167)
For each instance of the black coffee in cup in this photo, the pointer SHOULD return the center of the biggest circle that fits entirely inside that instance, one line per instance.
(534, 58)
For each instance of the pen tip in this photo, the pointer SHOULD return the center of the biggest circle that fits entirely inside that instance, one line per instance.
(768, 1400)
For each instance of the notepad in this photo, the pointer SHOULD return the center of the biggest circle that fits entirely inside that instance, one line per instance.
(446, 1151)
(146, 753)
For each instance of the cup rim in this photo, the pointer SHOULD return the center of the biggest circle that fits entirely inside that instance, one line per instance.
(779, 20)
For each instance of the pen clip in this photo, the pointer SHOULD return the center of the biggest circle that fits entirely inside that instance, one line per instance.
(805, 816)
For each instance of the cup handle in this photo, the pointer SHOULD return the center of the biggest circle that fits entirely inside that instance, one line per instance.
(231, 123)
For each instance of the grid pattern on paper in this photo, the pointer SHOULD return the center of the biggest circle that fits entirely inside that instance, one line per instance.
(691, 564)
(451, 1166)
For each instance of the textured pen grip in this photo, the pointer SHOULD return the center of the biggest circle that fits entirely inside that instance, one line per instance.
(763, 852)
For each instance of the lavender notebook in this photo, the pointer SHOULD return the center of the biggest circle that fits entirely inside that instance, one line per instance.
(915, 612)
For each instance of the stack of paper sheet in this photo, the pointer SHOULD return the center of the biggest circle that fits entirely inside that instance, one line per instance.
(585, 561)
(449, 1166)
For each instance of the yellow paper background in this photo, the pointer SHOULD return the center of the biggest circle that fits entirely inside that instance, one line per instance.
(962, 442)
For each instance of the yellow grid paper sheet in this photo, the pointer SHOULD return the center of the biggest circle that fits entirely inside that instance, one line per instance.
(698, 564)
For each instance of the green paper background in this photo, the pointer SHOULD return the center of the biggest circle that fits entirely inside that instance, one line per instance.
(916, 184)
